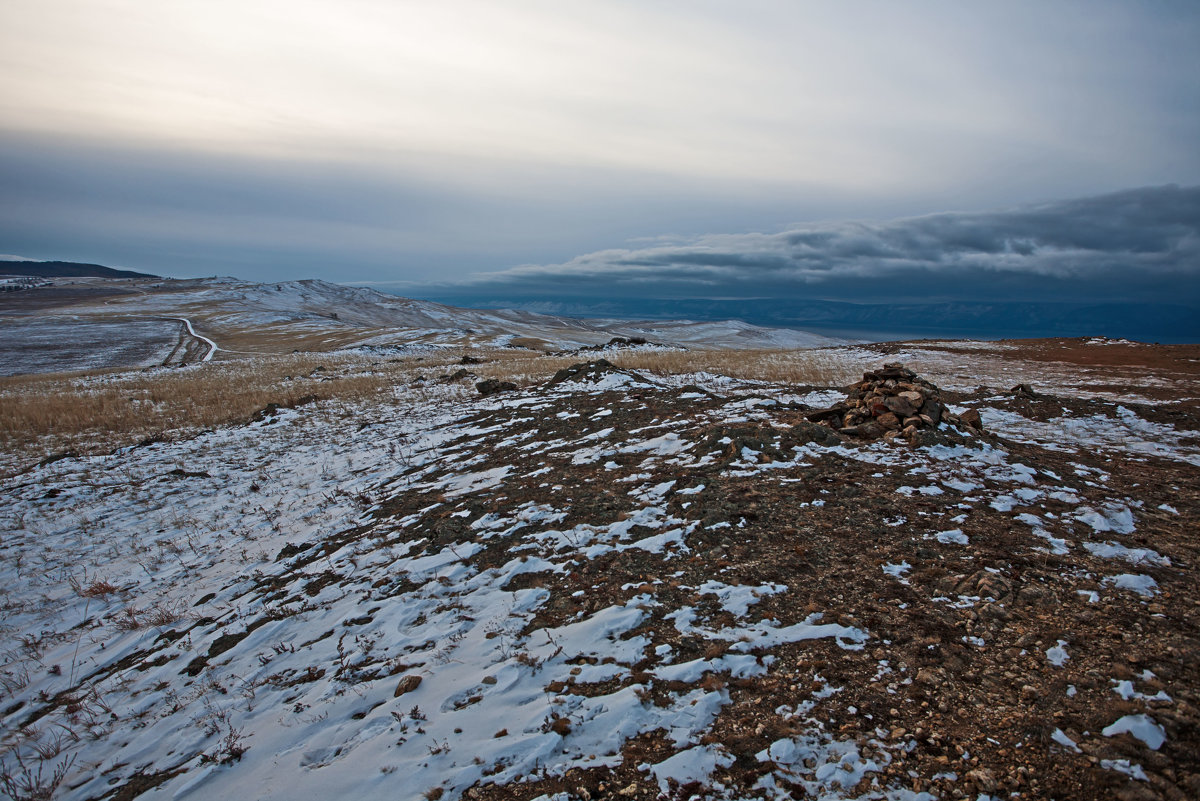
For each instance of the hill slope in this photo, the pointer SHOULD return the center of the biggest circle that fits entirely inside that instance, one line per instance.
(66, 269)
(612, 584)
(150, 322)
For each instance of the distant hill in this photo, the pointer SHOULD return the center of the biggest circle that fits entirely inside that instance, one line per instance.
(66, 269)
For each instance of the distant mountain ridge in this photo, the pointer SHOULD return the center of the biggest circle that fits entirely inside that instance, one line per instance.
(66, 269)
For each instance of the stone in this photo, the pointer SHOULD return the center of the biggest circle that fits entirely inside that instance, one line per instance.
(821, 415)
(971, 418)
(589, 372)
(868, 430)
(889, 421)
(984, 779)
(492, 386)
(901, 405)
(407, 684)
(928, 677)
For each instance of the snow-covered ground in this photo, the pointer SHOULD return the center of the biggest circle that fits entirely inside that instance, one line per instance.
(234, 315)
(412, 599)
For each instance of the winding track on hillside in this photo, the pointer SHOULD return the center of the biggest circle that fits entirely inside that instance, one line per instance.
(212, 346)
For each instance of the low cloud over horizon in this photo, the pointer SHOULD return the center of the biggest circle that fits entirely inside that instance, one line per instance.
(1139, 244)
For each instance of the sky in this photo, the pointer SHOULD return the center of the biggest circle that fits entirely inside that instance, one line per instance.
(687, 147)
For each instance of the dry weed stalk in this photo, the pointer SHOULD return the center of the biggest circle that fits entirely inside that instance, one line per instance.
(28, 781)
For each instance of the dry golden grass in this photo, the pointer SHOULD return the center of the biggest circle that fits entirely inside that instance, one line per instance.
(96, 412)
(820, 368)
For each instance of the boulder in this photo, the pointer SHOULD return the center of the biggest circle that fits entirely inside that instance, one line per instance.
(491, 386)
(971, 418)
(407, 684)
(902, 405)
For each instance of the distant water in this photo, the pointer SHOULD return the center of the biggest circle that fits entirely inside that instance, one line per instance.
(991, 335)
(896, 335)
(882, 322)
(868, 335)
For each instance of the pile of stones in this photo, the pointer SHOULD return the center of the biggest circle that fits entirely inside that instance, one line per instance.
(892, 404)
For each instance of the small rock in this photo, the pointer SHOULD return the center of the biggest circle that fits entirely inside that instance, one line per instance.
(889, 421)
(927, 676)
(407, 684)
(971, 418)
(492, 386)
(902, 405)
(868, 430)
(984, 779)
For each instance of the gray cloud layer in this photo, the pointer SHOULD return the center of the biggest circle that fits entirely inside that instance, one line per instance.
(1142, 243)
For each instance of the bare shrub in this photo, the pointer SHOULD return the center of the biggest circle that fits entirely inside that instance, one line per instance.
(128, 620)
(99, 589)
(159, 614)
(28, 780)
(164, 613)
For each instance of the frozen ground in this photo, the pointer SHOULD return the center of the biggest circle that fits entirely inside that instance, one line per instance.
(608, 586)
(121, 324)
(55, 344)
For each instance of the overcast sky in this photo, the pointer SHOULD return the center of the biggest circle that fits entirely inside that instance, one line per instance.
(538, 141)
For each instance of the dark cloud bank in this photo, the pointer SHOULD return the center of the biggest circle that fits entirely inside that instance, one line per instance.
(1122, 264)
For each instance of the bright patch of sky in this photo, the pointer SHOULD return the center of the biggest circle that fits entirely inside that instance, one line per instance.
(409, 141)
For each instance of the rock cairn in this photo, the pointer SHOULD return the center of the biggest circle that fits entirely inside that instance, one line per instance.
(894, 404)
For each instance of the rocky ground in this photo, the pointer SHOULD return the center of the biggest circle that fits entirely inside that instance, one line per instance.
(616, 585)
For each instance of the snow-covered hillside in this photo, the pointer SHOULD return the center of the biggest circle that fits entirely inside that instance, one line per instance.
(611, 585)
(147, 322)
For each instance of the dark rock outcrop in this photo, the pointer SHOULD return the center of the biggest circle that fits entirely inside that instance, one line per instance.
(492, 386)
